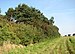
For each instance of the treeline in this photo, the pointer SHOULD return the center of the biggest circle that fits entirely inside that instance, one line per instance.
(31, 26)
(70, 34)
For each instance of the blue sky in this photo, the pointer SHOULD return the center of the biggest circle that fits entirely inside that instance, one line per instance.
(62, 10)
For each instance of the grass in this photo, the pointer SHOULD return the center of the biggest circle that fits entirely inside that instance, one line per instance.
(63, 45)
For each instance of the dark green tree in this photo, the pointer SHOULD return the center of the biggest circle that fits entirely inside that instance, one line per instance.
(51, 20)
(32, 16)
(0, 10)
(10, 12)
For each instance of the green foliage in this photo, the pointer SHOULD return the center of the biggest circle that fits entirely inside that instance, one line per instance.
(63, 45)
(0, 10)
(27, 33)
(32, 16)
(51, 21)
(31, 26)
(6, 34)
(10, 12)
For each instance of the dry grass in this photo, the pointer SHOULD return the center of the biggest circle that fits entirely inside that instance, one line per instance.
(7, 47)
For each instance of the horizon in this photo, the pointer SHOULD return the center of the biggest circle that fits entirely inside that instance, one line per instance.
(63, 11)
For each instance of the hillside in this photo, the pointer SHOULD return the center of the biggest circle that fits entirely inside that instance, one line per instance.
(26, 25)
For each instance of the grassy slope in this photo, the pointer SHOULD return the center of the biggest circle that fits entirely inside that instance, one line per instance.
(63, 45)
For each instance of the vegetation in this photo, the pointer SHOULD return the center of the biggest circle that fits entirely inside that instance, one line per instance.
(31, 26)
(32, 33)
(73, 34)
(0, 10)
(63, 45)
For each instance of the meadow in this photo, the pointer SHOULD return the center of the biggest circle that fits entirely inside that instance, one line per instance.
(62, 45)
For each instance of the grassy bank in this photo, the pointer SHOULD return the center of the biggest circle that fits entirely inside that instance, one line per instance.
(63, 45)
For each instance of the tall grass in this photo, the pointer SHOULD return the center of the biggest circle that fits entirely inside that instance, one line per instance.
(62, 45)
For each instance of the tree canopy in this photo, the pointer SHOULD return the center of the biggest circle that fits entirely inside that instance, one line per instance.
(31, 26)
(0, 10)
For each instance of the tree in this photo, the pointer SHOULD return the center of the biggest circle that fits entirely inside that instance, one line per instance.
(10, 12)
(0, 10)
(32, 16)
(69, 34)
(73, 34)
(51, 21)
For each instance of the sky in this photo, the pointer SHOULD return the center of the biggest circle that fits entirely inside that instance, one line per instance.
(62, 10)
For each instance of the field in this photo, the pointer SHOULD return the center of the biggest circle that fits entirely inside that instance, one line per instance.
(62, 45)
